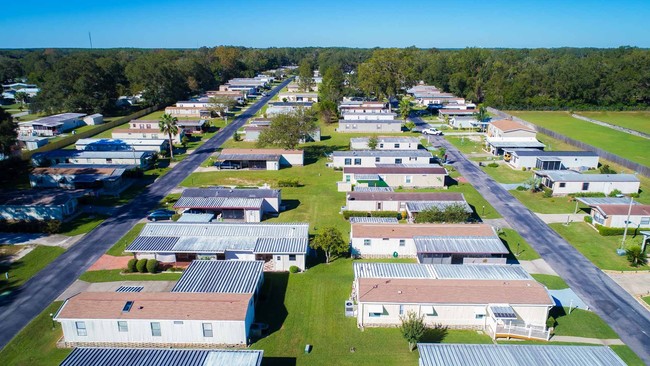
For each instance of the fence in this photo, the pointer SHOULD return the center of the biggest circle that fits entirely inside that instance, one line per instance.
(641, 169)
(69, 140)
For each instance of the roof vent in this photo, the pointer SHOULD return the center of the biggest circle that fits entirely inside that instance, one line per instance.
(399, 292)
(127, 307)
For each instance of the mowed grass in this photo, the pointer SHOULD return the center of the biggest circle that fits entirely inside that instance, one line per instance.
(550, 281)
(115, 275)
(628, 146)
(637, 120)
(646, 299)
(536, 202)
(467, 144)
(118, 248)
(519, 248)
(81, 225)
(505, 174)
(627, 355)
(307, 308)
(581, 323)
(23, 269)
(600, 250)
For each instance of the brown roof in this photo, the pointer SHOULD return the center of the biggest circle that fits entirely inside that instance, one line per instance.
(255, 128)
(136, 130)
(193, 108)
(613, 210)
(39, 197)
(156, 305)
(259, 151)
(510, 125)
(72, 171)
(434, 291)
(396, 170)
(362, 230)
(405, 196)
(460, 111)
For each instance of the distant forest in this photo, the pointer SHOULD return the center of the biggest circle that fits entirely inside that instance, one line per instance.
(566, 78)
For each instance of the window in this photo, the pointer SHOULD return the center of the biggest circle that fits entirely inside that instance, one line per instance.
(347, 126)
(402, 242)
(278, 258)
(645, 221)
(207, 329)
(109, 160)
(398, 161)
(366, 242)
(396, 146)
(292, 257)
(379, 127)
(377, 159)
(348, 178)
(357, 161)
(348, 161)
(401, 310)
(562, 185)
(155, 329)
(381, 146)
(585, 186)
(122, 326)
(81, 328)
(178, 322)
(354, 127)
(408, 179)
(479, 316)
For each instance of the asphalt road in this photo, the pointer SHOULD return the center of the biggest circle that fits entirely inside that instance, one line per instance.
(26, 302)
(606, 298)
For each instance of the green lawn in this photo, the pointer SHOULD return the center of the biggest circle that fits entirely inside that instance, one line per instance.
(114, 275)
(581, 323)
(297, 300)
(536, 202)
(518, 247)
(550, 281)
(467, 145)
(600, 250)
(505, 174)
(637, 120)
(36, 343)
(623, 144)
(120, 246)
(25, 268)
(82, 224)
(628, 356)
(646, 299)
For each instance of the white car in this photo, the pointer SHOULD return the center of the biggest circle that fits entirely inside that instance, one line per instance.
(431, 131)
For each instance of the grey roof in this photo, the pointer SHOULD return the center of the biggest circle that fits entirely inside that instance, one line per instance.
(130, 142)
(440, 271)
(372, 177)
(222, 229)
(369, 113)
(228, 192)
(372, 189)
(249, 157)
(154, 243)
(419, 206)
(515, 355)
(290, 104)
(383, 153)
(218, 202)
(55, 120)
(95, 115)
(84, 154)
(162, 357)
(192, 217)
(388, 139)
(373, 220)
(459, 244)
(552, 153)
(192, 123)
(571, 176)
(281, 245)
(374, 121)
(225, 276)
(596, 201)
(515, 144)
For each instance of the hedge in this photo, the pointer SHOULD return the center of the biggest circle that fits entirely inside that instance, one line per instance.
(613, 231)
(291, 182)
(348, 214)
(30, 226)
(294, 269)
(589, 219)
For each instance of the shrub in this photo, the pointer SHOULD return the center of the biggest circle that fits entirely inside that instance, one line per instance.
(523, 169)
(152, 266)
(450, 214)
(613, 231)
(348, 214)
(614, 193)
(236, 137)
(175, 217)
(548, 193)
(185, 140)
(589, 194)
(294, 269)
(493, 165)
(636, 256)
(550, 322)
(605, 169)
(131, 265)
(290, 182)
(52, 226)
(141, 266)
(522, 188)
(589, 219)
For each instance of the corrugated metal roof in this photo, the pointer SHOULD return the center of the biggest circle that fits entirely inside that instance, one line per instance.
(383, 153)
(571, 176)
(372, 177)
(282, 245)
(459, 244)
(596, 201)
(515, 144)
(373, 189)
(515, 355)
(218, 202)
(542, 153)
(191, 217)
(226, 229)
(203, 244)
(419, 206)
(152, 243)
(373, 220)
(231, 192)
(441, 271)
(162, 357)
(387, 139)
(228, 276)
(392, 270)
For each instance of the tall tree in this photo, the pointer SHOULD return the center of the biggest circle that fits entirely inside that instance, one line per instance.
(221, 104)
(327, 110)
(331, 89)
(482, 114)
(412, 328)
(158, 79)
(405, 108)
(288, 129)
(330, 241)
(21, 97)
(306, 74)
(386, 72)
(168, 125)
(8, 132)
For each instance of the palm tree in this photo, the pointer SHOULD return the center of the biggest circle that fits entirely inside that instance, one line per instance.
(404, 108)
(482, 114)
(167, 125)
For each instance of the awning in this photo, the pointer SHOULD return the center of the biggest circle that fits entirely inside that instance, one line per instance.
(479, 310)
(427, 309)
(373, 308)
(503, 312)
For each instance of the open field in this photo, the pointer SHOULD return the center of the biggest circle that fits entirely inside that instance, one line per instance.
(623, 144)
(637, 120)
(467, 144)
(26, 267)
(550, 281)
(600, 250)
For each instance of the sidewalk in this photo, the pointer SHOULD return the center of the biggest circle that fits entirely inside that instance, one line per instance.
(560, 218)
(538, 266)
(604, 342)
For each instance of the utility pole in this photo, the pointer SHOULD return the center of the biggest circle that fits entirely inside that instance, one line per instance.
(627, 221)
(90, 38)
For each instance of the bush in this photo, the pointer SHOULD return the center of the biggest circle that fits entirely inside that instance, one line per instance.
(236, 137)
(348, 214)
(522, 188)
(141, 266)
(588, 194)
(290, 182)
(294, 269)
(550, 322)
(589, 219)
(131, 265)
(636, 256)
(52, 226)
(605, 169)
(523, 168)
(613, 231)
(493, 165)
(614, 193)
(548, 193)
(152, 266)
(175, 217)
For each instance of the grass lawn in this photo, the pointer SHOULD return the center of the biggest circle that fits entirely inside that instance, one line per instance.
(112, 275)
(580, 323)
(290, 304)
(631, 147)
(536, 202)
(626, 353)
(550, 281)
(505, 174)
(600, 250)
(467, 144)
(36, 343)
(518, 247)
(120, 246)
(637, 120)
(82, 224)
(23, 269)
(646, 299)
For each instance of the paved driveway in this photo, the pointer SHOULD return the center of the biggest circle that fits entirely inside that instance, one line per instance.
(26, 302)
(606, 298)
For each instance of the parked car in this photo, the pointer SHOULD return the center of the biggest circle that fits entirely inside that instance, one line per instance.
(227, 165)
(431, 131)
(161, 214)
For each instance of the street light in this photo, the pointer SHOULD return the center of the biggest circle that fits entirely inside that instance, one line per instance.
(627, 221)
(483, 212)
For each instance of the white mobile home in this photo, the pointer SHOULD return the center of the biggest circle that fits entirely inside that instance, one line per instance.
(370, 116)
(564, 182)
(551, 160)
(94, 119)
(38, 204)
(51, 125)
(142, 159)
(249, 205)
(386, 143)
(96, 144)
(637, 216)
(395, 175)
(262, 159)
(507, 134)
(299, 97)
(398, 201)
(370, 126)
(370, 158)
(146, 134)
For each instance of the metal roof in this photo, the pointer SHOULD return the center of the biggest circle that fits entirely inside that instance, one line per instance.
(383, 153)
(191, 217)
(218, 202)
(387, 139)
(83, 154)
(553, 153)
(419, 206)
(375, 121)
(227, 276)
(152, 243)
(373, 220)
(514, 144)
(231, 192)
(373, 189)
(459, 244)
(571, 176)
(227, 229)
(193, 123)
(373, 177)
(113, 142)
(515, 355)
(282, 245)
(248, 157)
(441, 271)
(392, 270)
(55, 120)
(596, 201)
(503, 312)
(129, 289)
(162, 357)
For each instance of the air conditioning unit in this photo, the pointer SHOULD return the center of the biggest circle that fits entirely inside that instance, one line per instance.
(349, 308)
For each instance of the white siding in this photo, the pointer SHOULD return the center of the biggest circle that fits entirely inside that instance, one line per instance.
(282, 262)
(241, 255)
(371, 161)
(351, 126)
(601, 187)
(382, 247)
(375, 206)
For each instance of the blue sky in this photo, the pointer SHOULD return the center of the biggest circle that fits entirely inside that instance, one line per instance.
(379, 23)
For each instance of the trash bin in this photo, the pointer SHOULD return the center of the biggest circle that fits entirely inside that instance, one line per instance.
(308, 348)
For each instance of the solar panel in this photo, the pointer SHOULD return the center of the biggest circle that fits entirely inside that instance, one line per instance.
(503, 312)
(127, 307)
(129, 289)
